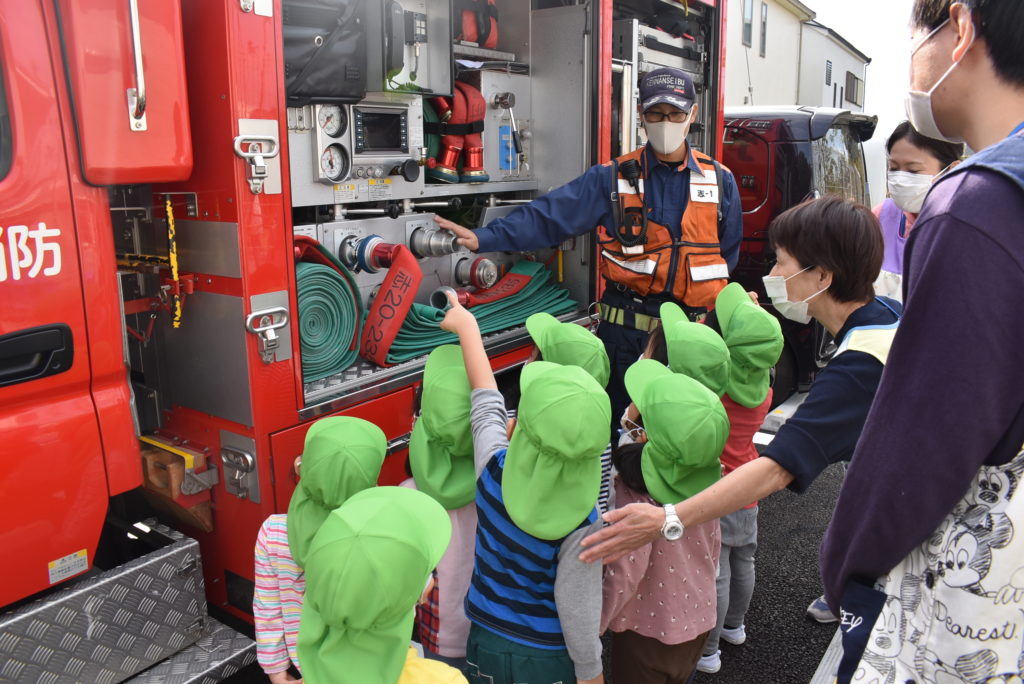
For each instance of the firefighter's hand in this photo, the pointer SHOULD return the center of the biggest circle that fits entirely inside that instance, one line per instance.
(599, 679)
(631, 527)
(458, 319)
(283, 678)
(466, 237)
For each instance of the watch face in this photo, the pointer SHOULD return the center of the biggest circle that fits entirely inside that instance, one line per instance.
(672, 531)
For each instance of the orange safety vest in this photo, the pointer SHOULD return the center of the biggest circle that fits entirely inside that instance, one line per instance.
(692, 268)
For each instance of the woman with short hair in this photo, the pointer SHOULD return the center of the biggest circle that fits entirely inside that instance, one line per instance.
(829, 252)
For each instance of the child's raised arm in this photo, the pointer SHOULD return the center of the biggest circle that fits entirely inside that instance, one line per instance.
(460, 321)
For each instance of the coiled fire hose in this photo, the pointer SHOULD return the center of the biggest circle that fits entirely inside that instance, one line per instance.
(393, 300)
(420, 333)
(330, 311)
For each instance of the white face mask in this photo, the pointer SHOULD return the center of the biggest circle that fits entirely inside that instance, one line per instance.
(919, 103)
(909, 189)
(666, 137)
(775, 288)
(630, 433)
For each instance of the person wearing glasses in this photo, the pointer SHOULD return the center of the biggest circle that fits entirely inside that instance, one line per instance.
(668, 222)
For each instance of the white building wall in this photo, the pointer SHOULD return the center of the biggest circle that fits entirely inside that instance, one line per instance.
(769, 80)
(819, 48)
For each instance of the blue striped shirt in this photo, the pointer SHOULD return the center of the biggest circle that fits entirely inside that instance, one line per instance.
(513, 588)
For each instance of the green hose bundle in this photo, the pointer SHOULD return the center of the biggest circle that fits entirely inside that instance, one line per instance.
(421, 334)
(330, 319)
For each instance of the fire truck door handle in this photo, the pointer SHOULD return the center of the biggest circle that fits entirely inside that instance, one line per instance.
(255, 150)
(35, 353)
(264, 324)
(137, 95)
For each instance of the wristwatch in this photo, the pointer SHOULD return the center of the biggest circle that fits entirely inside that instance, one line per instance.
(673, 527)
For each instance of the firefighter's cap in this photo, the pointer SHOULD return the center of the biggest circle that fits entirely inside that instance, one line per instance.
(367, 568)
(569, 344)
(668, 85)
(695, 350)
(552, 471)
(755, 342)
(441, 446)
(686, 428)
(342, 456)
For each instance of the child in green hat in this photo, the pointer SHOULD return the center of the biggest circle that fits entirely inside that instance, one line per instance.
(534, 606)
(441, 464)
(754, 339)
(659, 600)
(569, 344)
(341, 457)
(366, 568)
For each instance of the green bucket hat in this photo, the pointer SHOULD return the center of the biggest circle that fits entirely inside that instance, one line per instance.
(568, 344)
(755, 342)
(441, 446)
(342, 456)
(686, 429)
(367, 567)
(553, 465)
(695, 350)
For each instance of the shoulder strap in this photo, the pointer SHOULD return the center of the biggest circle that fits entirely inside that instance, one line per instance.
(721, 196)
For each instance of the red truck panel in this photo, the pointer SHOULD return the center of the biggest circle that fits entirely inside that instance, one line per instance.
(101, 63)
(52, 475)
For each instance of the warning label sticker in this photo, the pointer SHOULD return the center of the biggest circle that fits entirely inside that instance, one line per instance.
(380, 189)
(69, 565)
(344, 193)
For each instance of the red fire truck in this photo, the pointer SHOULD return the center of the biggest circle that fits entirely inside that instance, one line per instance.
(171, 174)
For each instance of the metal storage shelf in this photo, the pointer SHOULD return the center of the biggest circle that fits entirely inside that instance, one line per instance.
(449, 189)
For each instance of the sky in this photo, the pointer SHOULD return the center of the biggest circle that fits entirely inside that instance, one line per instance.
(879, 29)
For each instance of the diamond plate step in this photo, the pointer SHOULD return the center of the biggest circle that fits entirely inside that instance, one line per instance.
(219, 653)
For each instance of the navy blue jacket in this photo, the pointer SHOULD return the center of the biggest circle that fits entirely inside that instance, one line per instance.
(582, 204)
(825, 429)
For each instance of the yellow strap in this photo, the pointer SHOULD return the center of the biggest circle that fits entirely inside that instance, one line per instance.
(190, 459)
(172, 249)
(873, 341)
(615, 315)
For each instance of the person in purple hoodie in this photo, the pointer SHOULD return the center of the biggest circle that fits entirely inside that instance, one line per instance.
(924, 558)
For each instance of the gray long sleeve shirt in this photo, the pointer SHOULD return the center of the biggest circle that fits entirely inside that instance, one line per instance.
(577, 586)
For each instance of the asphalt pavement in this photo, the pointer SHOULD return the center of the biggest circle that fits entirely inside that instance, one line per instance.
(783, 646)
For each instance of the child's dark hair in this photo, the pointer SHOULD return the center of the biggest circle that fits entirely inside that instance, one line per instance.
(656, 346)
(626, 459)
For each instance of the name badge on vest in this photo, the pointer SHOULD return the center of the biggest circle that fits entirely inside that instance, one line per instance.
(703, 192)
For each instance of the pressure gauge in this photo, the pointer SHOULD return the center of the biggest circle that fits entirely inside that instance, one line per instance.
(332, 120)
(334, 162)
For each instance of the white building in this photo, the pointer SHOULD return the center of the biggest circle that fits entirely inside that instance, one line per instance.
(763, 51)
(777, 54)
(832, 70)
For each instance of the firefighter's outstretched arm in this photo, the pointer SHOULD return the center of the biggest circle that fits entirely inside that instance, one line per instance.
(567, 211)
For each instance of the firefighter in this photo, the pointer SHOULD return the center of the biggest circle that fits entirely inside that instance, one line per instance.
(668, 223)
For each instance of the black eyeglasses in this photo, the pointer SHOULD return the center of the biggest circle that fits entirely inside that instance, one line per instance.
(657, 117)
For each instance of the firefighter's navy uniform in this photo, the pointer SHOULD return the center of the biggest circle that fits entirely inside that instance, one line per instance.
(687, 256)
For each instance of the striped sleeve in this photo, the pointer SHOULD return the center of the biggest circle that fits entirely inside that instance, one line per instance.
(271, 648)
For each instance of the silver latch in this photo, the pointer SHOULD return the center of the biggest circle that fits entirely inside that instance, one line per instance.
(240, 476)
(256, 149)
(199, 482)
(263, 325)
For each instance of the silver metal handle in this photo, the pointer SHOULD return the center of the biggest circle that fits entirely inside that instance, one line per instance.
(255, 324)
(270, 140)
(137, 95)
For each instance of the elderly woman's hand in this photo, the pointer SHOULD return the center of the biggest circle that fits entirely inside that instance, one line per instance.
(631, 527)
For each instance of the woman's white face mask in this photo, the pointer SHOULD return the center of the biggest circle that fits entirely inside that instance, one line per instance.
(775, 288)
(666, 137)
(908, 190)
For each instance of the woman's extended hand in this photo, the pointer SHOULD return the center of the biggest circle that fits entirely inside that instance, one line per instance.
(466, 237)
(631, 527)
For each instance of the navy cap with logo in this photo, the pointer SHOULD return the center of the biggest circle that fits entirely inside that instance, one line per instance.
(667, 85)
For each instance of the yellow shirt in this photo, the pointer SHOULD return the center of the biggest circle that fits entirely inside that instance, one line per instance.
(420, 670)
